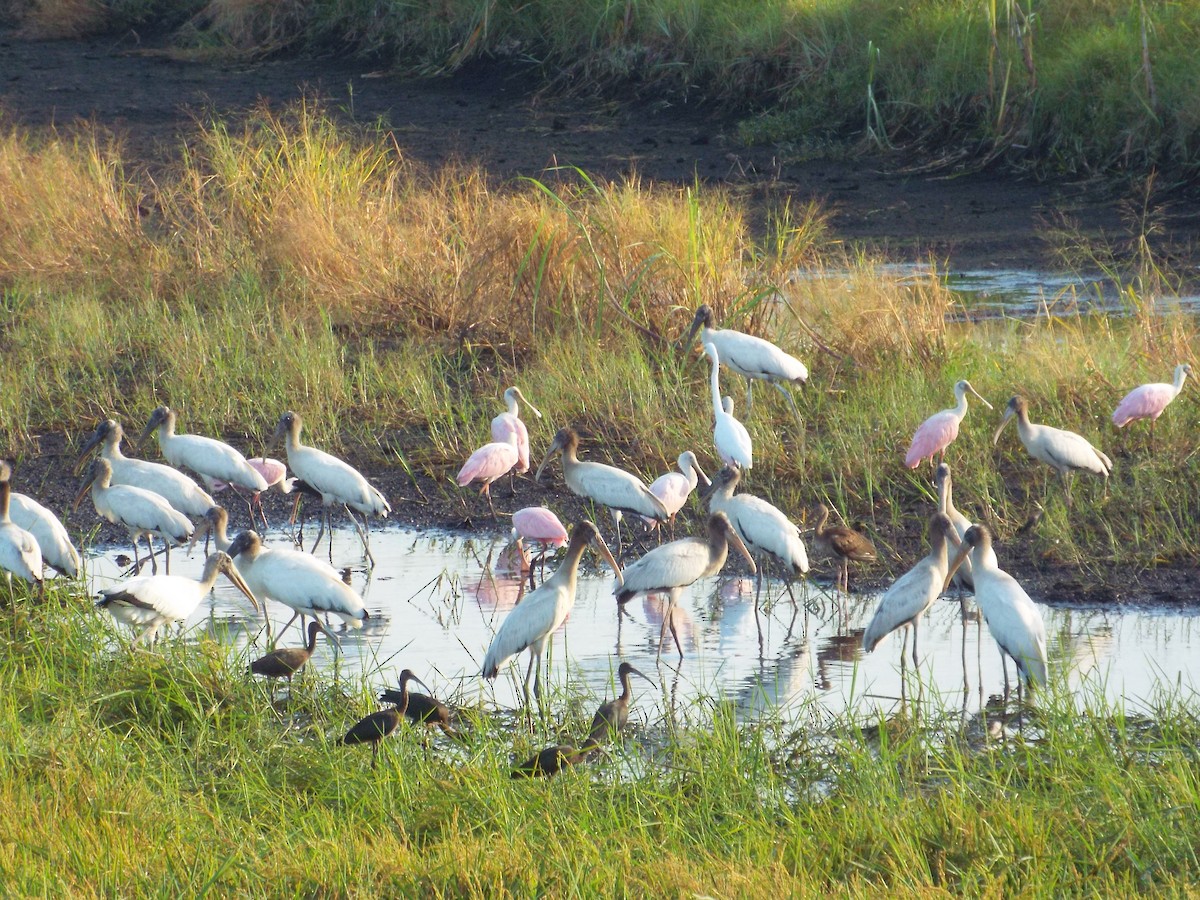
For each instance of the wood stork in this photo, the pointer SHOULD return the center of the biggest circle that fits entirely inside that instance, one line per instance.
(151, 602)
(540, 525)
(730, 436)
(1149, 400)
(509, 422)
(20, 554)
(142, 512)
(1066, 451)
(751, 357)
(489, 463)
(209, 458)
(763, 527)
(1011, 616)
(172, 485)
(420, 709)
(48, 530)
(297, 580)
(945, 489)
(842, 545)
(672, 567)
(532, 624)
(550, 761)
(939, 430)
(605, 485)
(287, 661)
(915, 591)
(339, 483)
(674, 488)
(374, 728)
(611, 717)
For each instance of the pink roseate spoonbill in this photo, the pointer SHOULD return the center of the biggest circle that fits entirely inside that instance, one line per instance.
(915, 591)
(611, 717)
(169, 483)
(541, 526)
(1065, 451)
(509, 422)
(209, 458)
(152, 602)
(602, 484)
(1011, 616)
(1149, 400)
(374, 728)
(674, 488)
(532, 623)
(20, 554)
(47, 529)
(672, 567)
(274, 472)
(939, 430)
(751, 357)
(762, 526)
(142, 512)
(841, 544)
(338, 483)
(730, 436)
(489, 463)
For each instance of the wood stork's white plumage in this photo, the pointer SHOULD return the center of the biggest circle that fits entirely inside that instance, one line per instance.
(142, 512)
(531, 624)
(1065, 451)
(1011, 616)
(172, 485)
(751, 357)
(49, 532)
(297, 580)
(606, 485)
(20, 554)
(762, 526)
(937, 432)
(672, 567)
(152, 602)
(674, 488)
(509, 422)
(730, 436)
(209, 458)
(915, 591)
(945, 489)
(339, 483)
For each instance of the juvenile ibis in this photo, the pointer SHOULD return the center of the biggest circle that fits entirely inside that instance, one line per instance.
(550, 761)
(20, 554)
(287, 661)
(674, 488)
(487, 464)
(939, 430)
(374, 728)
(729, 435)
(842, 545)
(420, 709)
(1149, 400)
(611, 717)
(1065, 451)
(209, 458)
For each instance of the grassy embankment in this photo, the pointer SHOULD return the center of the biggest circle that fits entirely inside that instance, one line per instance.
(1060, 86)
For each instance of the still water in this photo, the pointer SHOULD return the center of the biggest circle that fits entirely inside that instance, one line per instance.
(436, 599)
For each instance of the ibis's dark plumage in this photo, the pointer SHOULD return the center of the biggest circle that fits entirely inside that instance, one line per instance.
(286, 662)
(550, 761)
(374, 728)
(611, 717)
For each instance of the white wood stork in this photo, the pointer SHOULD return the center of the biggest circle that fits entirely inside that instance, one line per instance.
(937, 432)
(751, 357)
(142, 512)
(1011, 616)
(674, 488)
(531, 624)
(20, 554)
(152, 602)
(606, 485)
(945, 489)
(215, 523)
(169, 483)
(209, 458)
(1065, 451)
(672, 567)
(509, 422)
(730, 436)
(297, 580)
(339, 483)
(49, 532)
(915, 591)
(763, 527)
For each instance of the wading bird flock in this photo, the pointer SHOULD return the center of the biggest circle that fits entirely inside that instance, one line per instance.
(153, 499)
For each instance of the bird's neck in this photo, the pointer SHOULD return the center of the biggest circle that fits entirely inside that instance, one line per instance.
(5, 497)
(208, 579)
(960, 408)
(112, 451)
(1180, 376)
(716, 388)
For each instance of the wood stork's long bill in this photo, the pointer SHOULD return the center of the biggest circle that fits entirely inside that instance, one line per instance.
(107, 432)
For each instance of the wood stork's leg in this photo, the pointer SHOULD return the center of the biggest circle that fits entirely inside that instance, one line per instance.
(320, 531)
(295, 614)
(749, 396)
(150, 546)
(916, 665)
(790, 399)
(363, 534)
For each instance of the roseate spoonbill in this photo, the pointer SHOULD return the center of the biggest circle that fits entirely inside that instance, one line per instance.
(374, 728)
(612, 716)
(509, 422)
(339, 483)
(841, 544)
(1011, 616)
(287, 661)
(672, 567)
(1149, 400)
(915, 591)
(531, 625)
(142, 512)
(20, 554)
(487, 464)
(939, 430)
(550, 761)
(763, 527)
(274, 473)
(420, 709)
(605, 485)
(751, 357)
(151, 602)
(49, 532)
(674, 488)
(1066, 451)
(540, 525)
(209, 458)
(729, 435)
